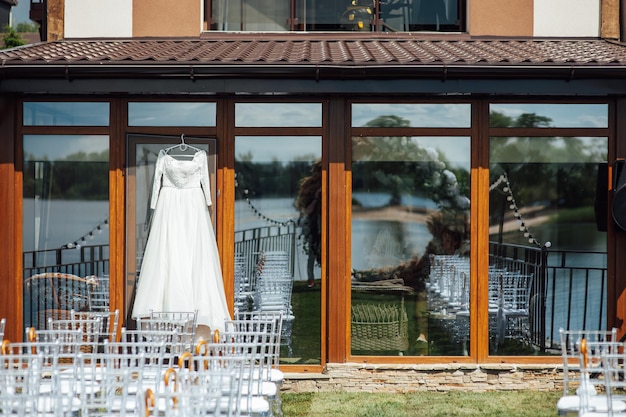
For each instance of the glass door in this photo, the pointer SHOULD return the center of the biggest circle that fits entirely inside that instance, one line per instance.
(142, 154)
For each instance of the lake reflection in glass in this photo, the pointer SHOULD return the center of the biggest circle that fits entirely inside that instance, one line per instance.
(410, 246)
(65, 226)
(542, 202)
(278, 236)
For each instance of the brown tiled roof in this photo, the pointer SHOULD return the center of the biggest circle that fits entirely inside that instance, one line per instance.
(276, 53)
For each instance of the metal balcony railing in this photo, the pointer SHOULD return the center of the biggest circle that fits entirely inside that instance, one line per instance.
(569, 289)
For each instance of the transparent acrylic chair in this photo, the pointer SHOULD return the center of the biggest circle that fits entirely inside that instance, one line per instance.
(591, 392)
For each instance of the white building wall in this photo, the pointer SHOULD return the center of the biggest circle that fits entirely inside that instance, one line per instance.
(567, 18)
(98, 18)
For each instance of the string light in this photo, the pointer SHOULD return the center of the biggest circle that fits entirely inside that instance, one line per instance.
(263, 216)
(258, 212)
(89, 235)
(503, 179)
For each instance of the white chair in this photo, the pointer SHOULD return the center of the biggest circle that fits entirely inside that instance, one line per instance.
(238, 356)
(274, 286)
(569, 403)
(270, 322)
(56, 391)
(244, 285)
(168, 338)
(182, 323)
(590, 395)
(260, 338)
(91, 328)
(601, 389)
(516, 291)
(68, 342)
(19, 381)
(509, 304)
(189, 393)
(3, 323)
(153, 354)
(118, 376)
(614, 384)
(99, 292)
(108, 319)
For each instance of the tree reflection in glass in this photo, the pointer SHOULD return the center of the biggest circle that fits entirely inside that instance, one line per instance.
(542, 197)
(409, 203)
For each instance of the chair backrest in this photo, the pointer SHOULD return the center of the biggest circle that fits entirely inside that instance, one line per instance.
(510, 290)
(119, 375)
(54, 380)
(192, 394)
(109, 321)
(614, 379)
(244, 284)
(153, 353)
(91, 330)
(274, 294)
(516, 290)
(235, 357)
(601, 369)
(3, 323)
(260, 347)
(168, 338)
(20, 381)
(69, 341)
(99, 292)
(48, 352)
(570, 350)
(268, 321)
(183, 323)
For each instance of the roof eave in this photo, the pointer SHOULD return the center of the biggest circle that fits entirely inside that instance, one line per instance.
(310, 71)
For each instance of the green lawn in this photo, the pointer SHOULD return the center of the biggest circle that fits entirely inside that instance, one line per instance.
(422, 404)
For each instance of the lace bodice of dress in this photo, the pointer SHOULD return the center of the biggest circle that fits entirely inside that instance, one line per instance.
(181, 174)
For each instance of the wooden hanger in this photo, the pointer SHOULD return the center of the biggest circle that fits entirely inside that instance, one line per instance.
(183, 146)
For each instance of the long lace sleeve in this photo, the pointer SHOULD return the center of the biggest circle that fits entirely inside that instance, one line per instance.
(204, 179)
(156, 184)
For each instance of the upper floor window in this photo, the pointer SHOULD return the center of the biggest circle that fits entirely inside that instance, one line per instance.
(343, 15)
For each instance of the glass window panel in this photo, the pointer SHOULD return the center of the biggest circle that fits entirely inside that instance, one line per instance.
(435, 15)
(278, 114)
(396, 16)
(50, 113)
(411, 115)
(331, 15)
(278, 236)
(141, 160)
(410, 245)
(327, 15)
(542, 203)
(171, 114)
(65, 226)
(548, 115)
(251, 15)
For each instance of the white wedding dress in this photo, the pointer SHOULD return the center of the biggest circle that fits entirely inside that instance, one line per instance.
(180, 270)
